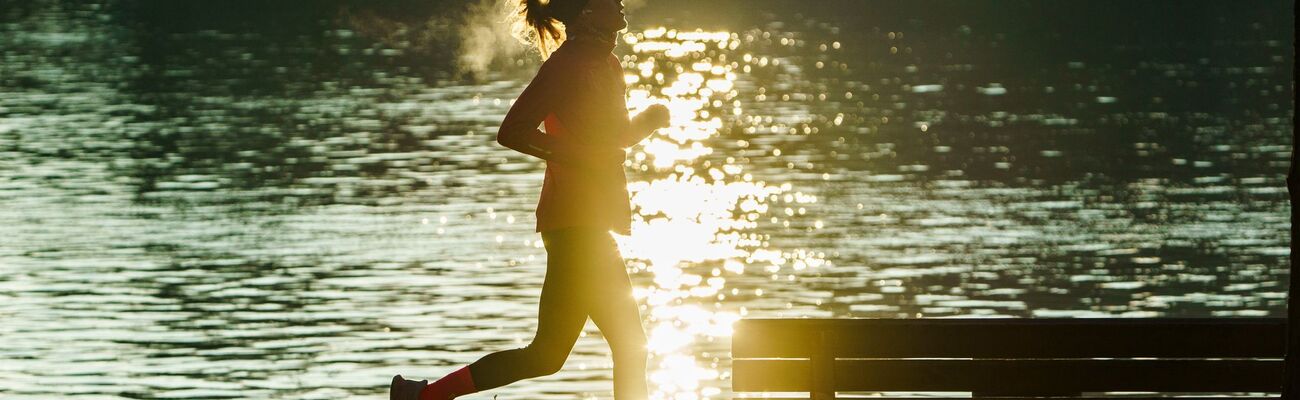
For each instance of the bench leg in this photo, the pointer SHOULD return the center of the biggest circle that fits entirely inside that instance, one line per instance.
(822, 369)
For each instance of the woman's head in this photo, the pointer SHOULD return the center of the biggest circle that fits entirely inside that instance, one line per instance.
(604, 16)
(541, 23)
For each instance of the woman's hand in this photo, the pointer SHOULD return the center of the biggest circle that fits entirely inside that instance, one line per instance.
(645, 123)
(656, 116)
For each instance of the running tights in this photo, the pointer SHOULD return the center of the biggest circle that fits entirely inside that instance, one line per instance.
(585, 277)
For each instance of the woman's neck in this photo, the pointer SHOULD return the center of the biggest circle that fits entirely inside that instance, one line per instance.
(587, 35)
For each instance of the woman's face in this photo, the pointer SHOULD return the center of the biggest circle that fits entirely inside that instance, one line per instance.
(604, 15)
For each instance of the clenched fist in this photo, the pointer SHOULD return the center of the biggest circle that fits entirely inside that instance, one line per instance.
(655, 116)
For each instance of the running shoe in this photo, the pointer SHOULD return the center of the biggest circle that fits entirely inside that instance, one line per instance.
(405, 389)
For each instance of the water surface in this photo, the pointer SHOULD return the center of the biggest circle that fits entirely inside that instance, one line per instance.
(302, 209)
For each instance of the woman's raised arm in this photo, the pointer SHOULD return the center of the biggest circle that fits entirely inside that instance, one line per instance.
(645, 123)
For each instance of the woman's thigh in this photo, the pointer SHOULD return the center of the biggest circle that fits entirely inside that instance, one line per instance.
(564, 303)
(585, 265)
(614, 309)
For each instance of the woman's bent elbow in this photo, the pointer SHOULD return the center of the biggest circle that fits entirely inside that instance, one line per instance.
(505, 140)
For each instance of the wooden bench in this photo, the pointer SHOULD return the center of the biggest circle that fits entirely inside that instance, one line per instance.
(1009, 357)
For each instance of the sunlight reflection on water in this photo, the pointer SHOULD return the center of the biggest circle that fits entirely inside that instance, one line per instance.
(692, 217)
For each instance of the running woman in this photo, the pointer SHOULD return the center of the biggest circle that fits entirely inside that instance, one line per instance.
(579, 95)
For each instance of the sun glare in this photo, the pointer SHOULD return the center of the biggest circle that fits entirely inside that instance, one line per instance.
(695, 217)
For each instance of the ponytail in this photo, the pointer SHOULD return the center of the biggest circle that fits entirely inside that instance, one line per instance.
(541, 25)
(536, 26)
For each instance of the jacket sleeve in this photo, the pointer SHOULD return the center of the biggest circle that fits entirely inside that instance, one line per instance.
(638, 130)
(519, 129)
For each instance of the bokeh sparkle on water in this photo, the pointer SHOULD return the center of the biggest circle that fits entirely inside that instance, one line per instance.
(245, 212)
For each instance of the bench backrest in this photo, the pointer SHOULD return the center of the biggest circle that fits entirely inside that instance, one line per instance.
(1008, 357)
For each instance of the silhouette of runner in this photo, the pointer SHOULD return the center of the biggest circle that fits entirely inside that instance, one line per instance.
(579, 94)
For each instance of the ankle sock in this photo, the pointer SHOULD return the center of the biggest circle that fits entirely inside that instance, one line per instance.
(454, 384)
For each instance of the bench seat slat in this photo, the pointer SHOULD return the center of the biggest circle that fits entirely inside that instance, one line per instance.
(1014, 338)
(1026, 376)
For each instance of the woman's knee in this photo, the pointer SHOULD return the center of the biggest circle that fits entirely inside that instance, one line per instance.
(552, 362)
(547, 360)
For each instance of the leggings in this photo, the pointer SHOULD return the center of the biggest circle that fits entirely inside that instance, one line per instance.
(585, 277)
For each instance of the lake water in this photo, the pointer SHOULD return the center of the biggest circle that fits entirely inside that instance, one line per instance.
(299, 207)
